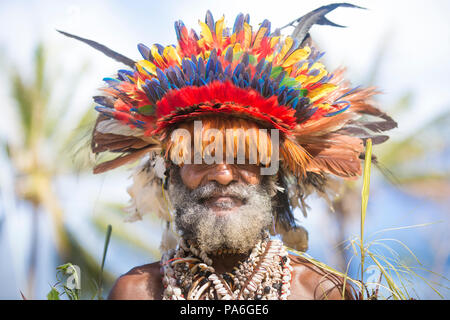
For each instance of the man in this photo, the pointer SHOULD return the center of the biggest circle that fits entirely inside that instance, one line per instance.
(235, 128)
(225, 221)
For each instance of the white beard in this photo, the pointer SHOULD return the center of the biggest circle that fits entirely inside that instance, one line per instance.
(240, 230)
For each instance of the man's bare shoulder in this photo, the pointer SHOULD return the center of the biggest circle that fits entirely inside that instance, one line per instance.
(140, 283)
(310, 282)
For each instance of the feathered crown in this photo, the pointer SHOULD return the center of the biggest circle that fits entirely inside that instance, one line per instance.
(275, 81)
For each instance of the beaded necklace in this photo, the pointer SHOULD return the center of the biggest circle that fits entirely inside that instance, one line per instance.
(265, 274)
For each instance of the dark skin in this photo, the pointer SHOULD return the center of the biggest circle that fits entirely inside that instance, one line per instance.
(309, 282)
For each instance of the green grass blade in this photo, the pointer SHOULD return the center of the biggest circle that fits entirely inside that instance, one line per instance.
(105, 250)
(365, 200)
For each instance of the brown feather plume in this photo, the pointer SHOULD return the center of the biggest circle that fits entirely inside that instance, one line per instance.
(336, 143)
(120, 161)
(131, 147)
(336, 154)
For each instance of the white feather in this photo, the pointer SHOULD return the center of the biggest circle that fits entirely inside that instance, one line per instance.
(160, 167)
(169, 240)
(146, 194)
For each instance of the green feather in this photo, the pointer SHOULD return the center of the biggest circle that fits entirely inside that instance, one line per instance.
(147, 110)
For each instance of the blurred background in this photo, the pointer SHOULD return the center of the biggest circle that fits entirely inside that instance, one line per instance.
(53, 210)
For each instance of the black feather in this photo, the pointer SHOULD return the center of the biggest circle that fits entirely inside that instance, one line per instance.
(317, 16)
(379, 126)
(105, 50)
(284, 215)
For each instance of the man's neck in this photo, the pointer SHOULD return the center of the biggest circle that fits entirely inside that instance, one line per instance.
(225, 263)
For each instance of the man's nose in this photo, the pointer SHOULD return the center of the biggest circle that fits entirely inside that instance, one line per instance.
(222, 173)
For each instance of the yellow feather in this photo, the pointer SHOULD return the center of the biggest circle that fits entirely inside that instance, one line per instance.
(296, 56)
(206, 32)
(201, 42)
(259, 37)
(233, 38)
(157, 56)
(171, 55)
(317, 65)
(274, 41)
(287, 45)
(149, 67)
(132, 79)
(320, 92)
(301, 78)
(139, 84)
(304, 66)
(313, 79)
(247, 35)
(237, 48)
(219, 29)
(323, 106)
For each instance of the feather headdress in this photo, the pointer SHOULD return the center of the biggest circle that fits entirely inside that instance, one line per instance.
(246, 73)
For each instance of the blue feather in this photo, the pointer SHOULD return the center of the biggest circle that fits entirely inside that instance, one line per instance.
(209, 20)
(348, 92)
(144, 50)
(238, 23)
(162, 79)
(111, 81)
(105, 111)
(340, 110)
(102, 100)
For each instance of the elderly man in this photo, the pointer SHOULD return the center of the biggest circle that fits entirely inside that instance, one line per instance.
(234, 129)
(225, 210)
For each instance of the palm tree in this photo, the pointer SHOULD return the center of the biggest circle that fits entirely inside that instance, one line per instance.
(35, 157)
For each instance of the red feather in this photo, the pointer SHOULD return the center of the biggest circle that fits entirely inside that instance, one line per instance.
(247, 102)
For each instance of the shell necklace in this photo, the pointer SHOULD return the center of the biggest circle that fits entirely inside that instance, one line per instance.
(265, 275)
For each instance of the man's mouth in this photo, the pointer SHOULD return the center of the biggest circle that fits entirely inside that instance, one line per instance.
(223, 202)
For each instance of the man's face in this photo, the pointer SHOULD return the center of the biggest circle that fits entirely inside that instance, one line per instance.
(221, 205)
